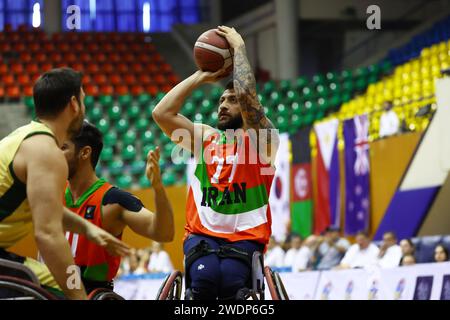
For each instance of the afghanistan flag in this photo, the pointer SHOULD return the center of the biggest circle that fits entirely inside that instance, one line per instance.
(301, 182)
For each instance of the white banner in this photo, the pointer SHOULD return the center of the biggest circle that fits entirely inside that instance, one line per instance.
(430, 281)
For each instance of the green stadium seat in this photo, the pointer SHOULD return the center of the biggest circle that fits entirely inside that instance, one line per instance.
(198, 95)
(106, 101)
(322, 90)
(207, 106)
(125, 100)
(269, 112)
(335, 101)
(94, 114)
(99, 170)
(147, 137)
(282, 124)
(107, 154)
(285, 85)
(300, 83)
(319, 79)
(374, 69)
(137, 167)
(348, 86)
(29, 102)
(115, 112)
(361, 83)
(167, 150)
(292, 96)
(319, 116)
(262, 99)
(282, 110)
(116, 167)
(275, 98)
(124, 182)
(331, 76)
(148, 109)
(133, 111)
(144, 182)
(296, 109)
(198, 118)
(309, 119)
(128, 153)
(103, 126)
(142, 124)
(335, 87)
(169, 178)
(122, 126)
(373, 78)
(362, 72)
(346, 75)
(215, 94)
(323, 104)
(89, 102)
(129, 137)
(163, 139)
(144, 99)
(110, 139)
(212, 120)
(188, 109)
(296, 121)
(159, 96)
(268, 88)
(307, 93)
(386, 67)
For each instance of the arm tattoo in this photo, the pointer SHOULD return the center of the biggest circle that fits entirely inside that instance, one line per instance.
(245, 88)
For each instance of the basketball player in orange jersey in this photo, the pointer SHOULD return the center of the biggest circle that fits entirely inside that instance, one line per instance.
(33, 172)
(228, 215)
(109, 207)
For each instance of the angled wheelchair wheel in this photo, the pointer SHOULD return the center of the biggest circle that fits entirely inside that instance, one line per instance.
(268, 274)
(12, 288)
(104, 294)
(275, 284)
(171, 287)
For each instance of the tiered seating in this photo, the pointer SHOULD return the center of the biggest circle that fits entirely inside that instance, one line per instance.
(410, 87)
(113, 63)
(439, 32)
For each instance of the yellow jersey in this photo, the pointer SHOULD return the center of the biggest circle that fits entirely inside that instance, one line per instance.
(15, 214)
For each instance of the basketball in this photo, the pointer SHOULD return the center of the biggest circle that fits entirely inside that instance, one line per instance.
(212, 52)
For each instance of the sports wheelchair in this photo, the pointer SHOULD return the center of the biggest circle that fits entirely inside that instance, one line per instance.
(17, 282)
(171, 287)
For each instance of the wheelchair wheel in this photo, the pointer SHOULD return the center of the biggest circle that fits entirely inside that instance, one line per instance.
(268, 274)
(18, 289)
(281, 290)
(171, 287)
(104, 294)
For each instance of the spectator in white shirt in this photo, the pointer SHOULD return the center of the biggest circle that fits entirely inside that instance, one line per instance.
(274, 256)
(389, 122)
(303, 257)
(390, 252)
(159, 259)
(360, 255)
(332, 249)
(296, 243)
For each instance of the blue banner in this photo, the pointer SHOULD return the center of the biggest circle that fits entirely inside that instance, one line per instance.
(357, 172)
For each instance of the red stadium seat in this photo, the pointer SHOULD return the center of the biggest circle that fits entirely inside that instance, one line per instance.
(2, 92)
(160, 79)
(78, 47)
(22, 28)
(13, 92)
(25, 57)
(121, 90)
(91, 90)
(5, 47)
(130, 79)
(28, 91)
(46, 67)
(99, 57)
(108, 47)
(137, 67)
(32, 68)
(144, 58)
(8, 80)
(145, 79)
(93, 48)
(70, 57)
(3, 68)
(86, 58)
(122, 68)
(58, 37)
(166, 88)
(108, 68)
(63, 47)
(100, 37)
(129, 58)
(122, 47)
(152, 89)
(116, 79)
(173, 79)
(107, 90)
(114, 58)
(137, 90)
(23, 79)
(34, 47)
(100, 79)
(78, 66)
(40, 57)
(166, 68)
(55, 57)
(92, 68)
(19, 47)
(49, 47)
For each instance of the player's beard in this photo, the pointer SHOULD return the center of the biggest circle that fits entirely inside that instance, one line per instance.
(232, 123)
(73, 166)
(75, 126)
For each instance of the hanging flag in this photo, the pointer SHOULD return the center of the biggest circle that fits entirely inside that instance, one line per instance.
(301, 182)
(280, 191)
(327, 208)
(357, 172)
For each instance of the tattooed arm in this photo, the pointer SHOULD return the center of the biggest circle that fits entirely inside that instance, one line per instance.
(245, 88)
